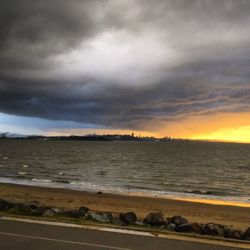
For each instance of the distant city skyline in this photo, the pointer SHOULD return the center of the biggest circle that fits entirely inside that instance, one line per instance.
(158, 68)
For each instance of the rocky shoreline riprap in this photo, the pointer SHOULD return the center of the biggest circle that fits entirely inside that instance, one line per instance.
(156, 220)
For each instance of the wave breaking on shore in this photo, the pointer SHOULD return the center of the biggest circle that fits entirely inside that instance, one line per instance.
(202, 196)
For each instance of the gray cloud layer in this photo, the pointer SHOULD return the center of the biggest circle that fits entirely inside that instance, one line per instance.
(122, 63)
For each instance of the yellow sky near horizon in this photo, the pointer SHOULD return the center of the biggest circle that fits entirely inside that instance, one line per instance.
(233, 127)
(239, 134)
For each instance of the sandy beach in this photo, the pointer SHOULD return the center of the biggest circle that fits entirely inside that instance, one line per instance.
(231, 215)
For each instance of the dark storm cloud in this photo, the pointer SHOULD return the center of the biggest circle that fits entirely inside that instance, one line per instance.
(30, 31)
(123, 63)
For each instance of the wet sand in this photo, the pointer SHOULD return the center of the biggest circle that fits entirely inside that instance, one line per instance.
(231, 215)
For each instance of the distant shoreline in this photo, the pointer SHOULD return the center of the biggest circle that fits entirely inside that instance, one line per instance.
(197, 211)
(110, 138)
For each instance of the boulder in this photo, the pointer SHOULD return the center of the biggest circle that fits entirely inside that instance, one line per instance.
(155, 219)
(140, 223)
(189, 228)
(171, 227)
(4, 205)
(57, 211)
(128, 218)
(49, 213)
(178, 220)
(72, 213)
(213, 229)
(83, 211)
(232, 234)
(117, 221)
(30, 209)
(104, 217)
(246, 235)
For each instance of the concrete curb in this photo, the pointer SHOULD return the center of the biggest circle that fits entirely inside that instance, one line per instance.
(140, 232)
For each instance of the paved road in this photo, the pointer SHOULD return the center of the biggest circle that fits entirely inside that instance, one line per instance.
(15, 235)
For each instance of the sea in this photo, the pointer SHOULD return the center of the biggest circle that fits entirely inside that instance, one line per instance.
(202, 170)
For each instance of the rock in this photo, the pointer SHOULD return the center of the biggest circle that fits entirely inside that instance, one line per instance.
(83, 211)
(49, 213)
(28, 206)
(128, 218)
(99, 192)
(52, 211)
(117, 221)
(139, 223)
(2, 205)
(189, 228)
(232, 234)
(104, 217)
(178, 220)
(213, 229)
(57, 210)
(171, 227)
(72, 213)
(5, 205)
(155, 219)
(246, 235)
(30, 209)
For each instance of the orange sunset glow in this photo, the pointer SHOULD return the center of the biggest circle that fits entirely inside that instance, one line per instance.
(229, 127)
(221, 127)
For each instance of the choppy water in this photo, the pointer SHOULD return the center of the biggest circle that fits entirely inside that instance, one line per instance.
(220, 170)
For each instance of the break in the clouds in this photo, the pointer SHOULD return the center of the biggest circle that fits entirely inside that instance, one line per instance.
(124, 63)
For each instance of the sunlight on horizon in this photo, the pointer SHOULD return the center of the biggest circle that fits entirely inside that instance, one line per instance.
(230, 127)
(239, 134)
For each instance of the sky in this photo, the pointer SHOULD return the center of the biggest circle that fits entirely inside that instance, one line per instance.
(176, 68)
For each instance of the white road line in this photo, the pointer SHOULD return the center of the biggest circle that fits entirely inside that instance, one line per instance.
(165, 235)
(62, 241)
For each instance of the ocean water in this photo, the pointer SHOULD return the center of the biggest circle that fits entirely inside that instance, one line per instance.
(180, 169)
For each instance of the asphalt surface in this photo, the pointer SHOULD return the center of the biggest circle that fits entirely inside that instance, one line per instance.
(15, 235)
